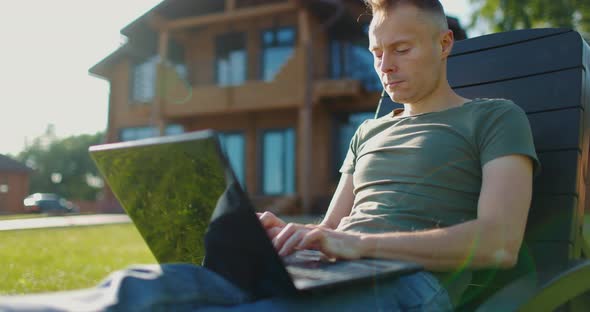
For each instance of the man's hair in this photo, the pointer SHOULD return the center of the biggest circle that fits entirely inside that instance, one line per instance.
(431, 6)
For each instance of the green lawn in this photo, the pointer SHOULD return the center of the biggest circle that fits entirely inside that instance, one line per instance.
(67, 258)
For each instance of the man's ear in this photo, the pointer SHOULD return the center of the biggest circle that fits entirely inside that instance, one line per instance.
(447, 39)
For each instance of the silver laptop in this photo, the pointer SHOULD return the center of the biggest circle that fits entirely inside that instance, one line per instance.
(184, 199)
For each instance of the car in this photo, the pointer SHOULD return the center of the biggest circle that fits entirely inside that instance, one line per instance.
(48, 203)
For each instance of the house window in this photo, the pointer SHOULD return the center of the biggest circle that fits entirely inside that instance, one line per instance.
(137, 133)
(345, 125)
(176, 58)
(278, 162)
(144, 72)
(234, 147)
(182, 71)
(277, 47)
(173, 129)
(350, 58)
(143, 80)
(3, 188)
(231, 60)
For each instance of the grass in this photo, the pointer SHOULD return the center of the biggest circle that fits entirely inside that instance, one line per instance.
(67, 258)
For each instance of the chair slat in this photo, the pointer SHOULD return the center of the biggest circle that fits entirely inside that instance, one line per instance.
(497, 39)
(551, 218)
(559, 173)
(549, 91)
(550, 255)
(557, 130)
(524, 59)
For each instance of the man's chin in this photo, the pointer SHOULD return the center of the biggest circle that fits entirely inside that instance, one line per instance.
(398, 98)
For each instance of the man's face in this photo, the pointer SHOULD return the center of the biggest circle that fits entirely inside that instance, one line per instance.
(407, 53)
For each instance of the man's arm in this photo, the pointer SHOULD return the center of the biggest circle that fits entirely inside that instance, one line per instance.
(493, 239)
(341, 203)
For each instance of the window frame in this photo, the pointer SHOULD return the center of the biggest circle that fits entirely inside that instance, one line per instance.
(153, 129)
(221, 134)
(275, 44)
(261, 162)
(218, 52)
(152, 61)
(341, 56)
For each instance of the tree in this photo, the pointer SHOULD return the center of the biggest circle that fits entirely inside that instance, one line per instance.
(63, 166)
(505, 15)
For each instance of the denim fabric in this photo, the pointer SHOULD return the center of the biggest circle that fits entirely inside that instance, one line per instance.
(184, 287)
(417, 292)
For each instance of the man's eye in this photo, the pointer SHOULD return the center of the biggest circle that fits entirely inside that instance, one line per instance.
(402, 50)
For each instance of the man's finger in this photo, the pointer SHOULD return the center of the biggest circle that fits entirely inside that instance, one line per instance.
(293, 241)
(313, 239)
(269, 220)
(273, 232)
(284, 235)
(320, 239)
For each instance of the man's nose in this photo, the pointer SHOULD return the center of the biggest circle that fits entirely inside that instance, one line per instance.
(388, 64)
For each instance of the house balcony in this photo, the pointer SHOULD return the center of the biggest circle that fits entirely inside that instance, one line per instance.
(182, 100)
(337, 88)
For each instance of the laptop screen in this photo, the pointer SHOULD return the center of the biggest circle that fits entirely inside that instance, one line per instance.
(169, 187)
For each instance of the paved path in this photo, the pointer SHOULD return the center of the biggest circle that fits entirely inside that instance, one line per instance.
(65, 221)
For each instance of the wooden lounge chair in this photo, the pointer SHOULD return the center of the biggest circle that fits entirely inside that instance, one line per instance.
(547, 73)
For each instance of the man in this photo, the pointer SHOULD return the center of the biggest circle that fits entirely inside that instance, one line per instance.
(445, 182)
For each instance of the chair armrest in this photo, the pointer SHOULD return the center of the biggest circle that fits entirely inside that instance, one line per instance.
(541, 291)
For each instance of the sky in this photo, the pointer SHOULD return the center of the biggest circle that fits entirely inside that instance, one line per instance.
(46, 51)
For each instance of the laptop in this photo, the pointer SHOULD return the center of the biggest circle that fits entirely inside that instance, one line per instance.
(188, 206)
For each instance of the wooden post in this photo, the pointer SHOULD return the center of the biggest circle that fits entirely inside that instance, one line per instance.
(305, 115)
(230, 5)
(111, 133)
(163, 45)
(157, 110)
(252, 166)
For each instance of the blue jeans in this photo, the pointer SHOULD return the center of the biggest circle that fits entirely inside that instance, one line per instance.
(184, 287)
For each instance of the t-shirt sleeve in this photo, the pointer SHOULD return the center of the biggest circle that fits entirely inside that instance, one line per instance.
(505, 131)
(350, 160)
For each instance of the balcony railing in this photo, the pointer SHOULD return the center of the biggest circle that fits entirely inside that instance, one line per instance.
(181, 99)
(345, 87)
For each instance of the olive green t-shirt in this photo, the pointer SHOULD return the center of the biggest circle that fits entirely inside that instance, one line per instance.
(425, 171)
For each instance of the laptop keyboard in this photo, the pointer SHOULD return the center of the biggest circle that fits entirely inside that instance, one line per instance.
(313, 274)
(313, 265)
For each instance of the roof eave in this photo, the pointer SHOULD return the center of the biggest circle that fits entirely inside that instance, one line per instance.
(132, 27)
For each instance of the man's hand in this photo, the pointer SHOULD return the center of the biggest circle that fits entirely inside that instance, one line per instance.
(271, 223)
(290, 237)
(332, 243)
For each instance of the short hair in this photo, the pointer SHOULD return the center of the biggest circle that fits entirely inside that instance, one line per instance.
(433, 7)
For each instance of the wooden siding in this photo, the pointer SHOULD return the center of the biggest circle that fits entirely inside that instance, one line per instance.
(18, 189)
